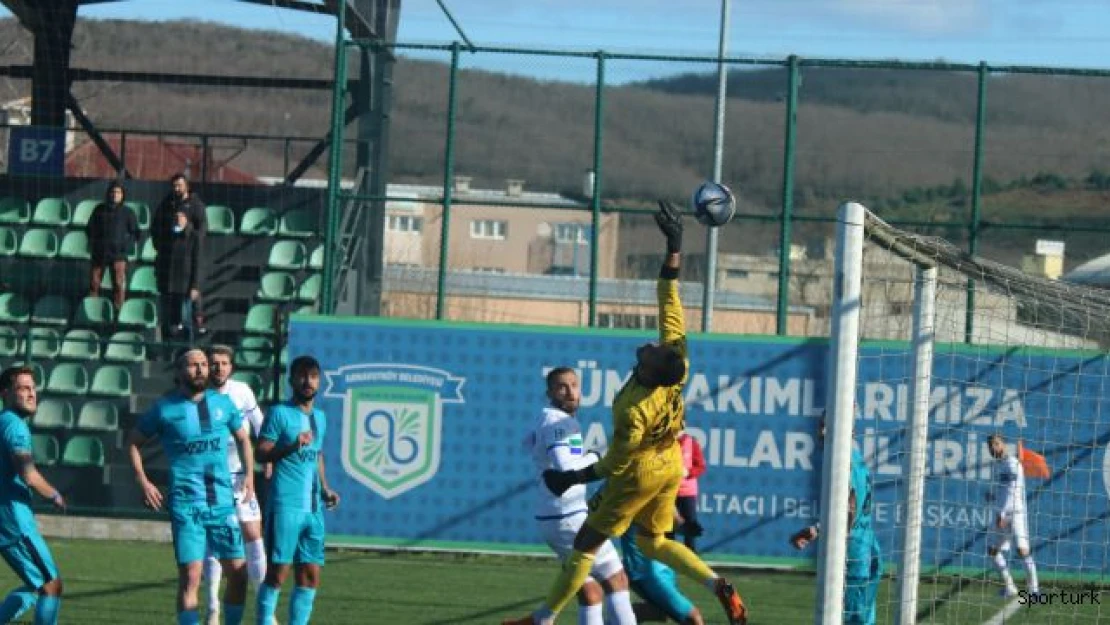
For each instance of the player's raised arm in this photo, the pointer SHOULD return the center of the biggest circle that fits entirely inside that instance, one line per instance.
(672, 320)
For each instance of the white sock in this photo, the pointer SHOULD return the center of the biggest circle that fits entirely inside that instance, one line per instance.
(1031, 571)
(620, 607)
(1000, 564)
(212, 574)
(256, 562)
(591, 614)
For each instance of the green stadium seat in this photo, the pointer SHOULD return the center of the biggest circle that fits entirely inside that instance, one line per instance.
(9, 241)
(316, 260)
(75, 246)
(299, 223)
(249, 378)
(68, 378)
(14, 211)
(99, 416)
(39, 243)
(260, 319)
(83, 213)
(283, 359)
(9, 342)
(52, 211)
(53, 413)
(53, 310)
(83, 451)
(141, 313)
(142, 213)
(94, 311)
(220, 219)
(36, 370)
(14, 308)
(143, 282)
(310, 288)
(276, 287)
(44, 449)
(45, 343)
(307, 309)
(287, 255)
(125, 347)
(258, 222)
(80, 344)
(254, 353)
(111, 381)
(148, 255)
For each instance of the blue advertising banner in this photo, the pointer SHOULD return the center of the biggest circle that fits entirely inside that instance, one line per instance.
(426, 422)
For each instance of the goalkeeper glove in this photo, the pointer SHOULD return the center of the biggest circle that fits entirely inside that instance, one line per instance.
(669, 220)
(559, 481)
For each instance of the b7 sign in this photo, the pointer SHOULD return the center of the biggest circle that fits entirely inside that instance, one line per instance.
(36, 151)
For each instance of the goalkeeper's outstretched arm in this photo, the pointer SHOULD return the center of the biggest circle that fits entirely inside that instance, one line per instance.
(672, 320)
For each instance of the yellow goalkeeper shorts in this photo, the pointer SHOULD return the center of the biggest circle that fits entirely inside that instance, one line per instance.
(643, 494)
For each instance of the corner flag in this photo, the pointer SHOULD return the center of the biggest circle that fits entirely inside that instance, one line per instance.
(1033, 463)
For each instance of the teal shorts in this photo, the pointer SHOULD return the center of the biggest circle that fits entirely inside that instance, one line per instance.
(294, 537)
(30, 559)
(198, 530)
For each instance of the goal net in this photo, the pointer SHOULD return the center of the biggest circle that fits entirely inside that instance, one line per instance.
(933, 352)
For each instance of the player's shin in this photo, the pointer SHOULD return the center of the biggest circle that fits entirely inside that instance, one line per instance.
(300, 605)
(46, 612)
(266, 604)
(1031, 574)
(677, 556)
(188, 617)
(620, 606)
(16, 603)
(256, 562)
(574, 573)
(233, 614)
(212, 574)
(591, 614)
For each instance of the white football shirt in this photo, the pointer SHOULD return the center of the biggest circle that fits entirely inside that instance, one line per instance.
(1009, 486)
(555, 442)
(243, 397)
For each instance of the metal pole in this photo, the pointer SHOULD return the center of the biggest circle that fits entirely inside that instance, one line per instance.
(448, 184)
(787, 197)
(595, 199)
(976, 196)
(335, 164)
(718, 155)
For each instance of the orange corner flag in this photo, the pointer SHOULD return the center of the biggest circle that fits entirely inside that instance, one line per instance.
(1033, 463)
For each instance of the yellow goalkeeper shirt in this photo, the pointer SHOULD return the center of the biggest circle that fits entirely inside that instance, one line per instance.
(647, 421)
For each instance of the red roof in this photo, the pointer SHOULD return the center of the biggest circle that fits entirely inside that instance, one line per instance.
(151, 158)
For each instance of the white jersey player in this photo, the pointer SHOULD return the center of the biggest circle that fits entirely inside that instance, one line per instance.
(555, 442)
(1010, 522)
(246, 508)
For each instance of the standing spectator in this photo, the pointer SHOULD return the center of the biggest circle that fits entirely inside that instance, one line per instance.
(687, 501)
(113, 232)
(181, 199)
(177, 270)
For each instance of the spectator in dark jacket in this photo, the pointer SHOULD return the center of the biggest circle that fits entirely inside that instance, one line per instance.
(177, 269)
(181, 199)
(113, 231)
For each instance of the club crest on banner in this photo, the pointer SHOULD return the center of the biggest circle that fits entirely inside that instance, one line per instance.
(392, 422)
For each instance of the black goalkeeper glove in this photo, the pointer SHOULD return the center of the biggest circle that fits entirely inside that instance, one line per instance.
(669, 220)
(559, 481)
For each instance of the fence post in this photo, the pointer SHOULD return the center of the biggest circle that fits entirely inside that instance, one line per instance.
(448, 183)
(335, 166)
(976, 196)
(787, 196)
(595, 199)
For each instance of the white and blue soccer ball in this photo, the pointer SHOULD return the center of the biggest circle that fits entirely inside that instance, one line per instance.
(714, 204)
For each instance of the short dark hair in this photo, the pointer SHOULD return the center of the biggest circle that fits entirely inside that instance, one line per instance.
(179, 176)
(115, 184)
(219, 349)
(672, 367)
(303, 363)
(555, 373)
(7, 378)
(994, 437)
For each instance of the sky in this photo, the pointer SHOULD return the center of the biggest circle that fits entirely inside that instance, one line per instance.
(1061, 33)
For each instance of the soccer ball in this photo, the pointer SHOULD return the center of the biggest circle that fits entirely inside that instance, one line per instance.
(714, 204)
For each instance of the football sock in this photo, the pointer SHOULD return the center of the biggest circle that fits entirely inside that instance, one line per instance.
(16, 603)
(233, 614)
(1000, 564)
(591, 614)
(46, 613)
(187, 617)
(266, 604)
(212, 574)
(677, 556)
(574, 573)
(1031, 573)
(256, 563)
(300, 605)
(620, 607)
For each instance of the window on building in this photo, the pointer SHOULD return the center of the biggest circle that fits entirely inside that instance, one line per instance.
(736, 273)
(488, 270)
(404, 223)
(627, 321)
(572, 233)
(489, 229)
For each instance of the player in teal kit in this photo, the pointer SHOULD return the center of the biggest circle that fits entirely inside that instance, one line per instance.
(21, 545)
(193, 424)
(292, 438)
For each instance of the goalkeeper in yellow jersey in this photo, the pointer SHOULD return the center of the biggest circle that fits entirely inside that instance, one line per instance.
(643, 466)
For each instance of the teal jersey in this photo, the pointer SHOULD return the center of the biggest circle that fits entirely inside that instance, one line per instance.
(860, 481)
(195, 436)
(295, 484)
(16, 518)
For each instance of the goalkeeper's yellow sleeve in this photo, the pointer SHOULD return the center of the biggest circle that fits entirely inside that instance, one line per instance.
(628, 432)
(672, 319)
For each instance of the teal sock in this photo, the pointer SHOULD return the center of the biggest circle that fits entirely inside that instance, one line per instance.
(185, 617)
(16, 603)
(300, 605)
(47, 611)
(267, 604)
(233, 614)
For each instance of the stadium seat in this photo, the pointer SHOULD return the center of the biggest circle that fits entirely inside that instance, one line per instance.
(258, 222)
(283, 359)
(44, 449)
(52, 211)
(310, 288)
(99, 415)
(68, 378)
(307, 309)
(111, 381)
(83, 451)
(260, 319)
(287, 255)
(53, 413)
(125, 347)
(276, 287)
(299, 223)
(75, 246)
(220, 219)
(83, 213)
(14, 308)
(80, 345)
(254, 353)
(39, 243)
(316, 260)
(143, 282)
(94, 311)
(53, 310)
(249, 378)
(142, 213)
(45, 343)
(14, 211)
(9, 342)
(141, 313)
(149, 254)
(9, 241)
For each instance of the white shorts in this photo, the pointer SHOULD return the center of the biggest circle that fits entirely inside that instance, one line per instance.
(247, 510)
(1017, 533)
(559, 535)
